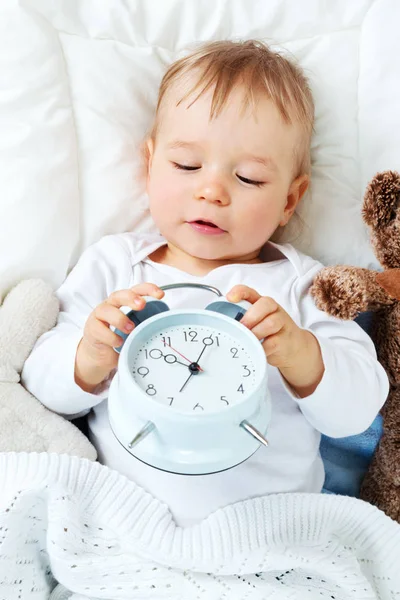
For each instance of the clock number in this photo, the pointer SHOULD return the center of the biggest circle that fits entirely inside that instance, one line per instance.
(223, 399)
(143, 371)
(166, 340)
(154, 353)
(240, 388)
(234, 352)
(151, 390)
(192, 335)
(248, 371)
(196, 405)
(217, 340)
(171, 398)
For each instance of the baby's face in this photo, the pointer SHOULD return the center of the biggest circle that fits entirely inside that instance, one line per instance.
(235, 172)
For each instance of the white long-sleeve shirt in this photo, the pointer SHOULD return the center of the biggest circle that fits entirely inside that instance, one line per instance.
(352, 391)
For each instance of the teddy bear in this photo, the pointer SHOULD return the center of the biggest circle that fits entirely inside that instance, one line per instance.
(345, 292)
(29, 310)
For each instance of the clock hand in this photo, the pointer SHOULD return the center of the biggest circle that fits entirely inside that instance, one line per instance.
(194, 368)
(175, 361)
(201, 354)
(189, 361)
(191, 375)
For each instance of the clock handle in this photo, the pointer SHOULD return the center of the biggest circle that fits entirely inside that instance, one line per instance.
(254, 432)
(236, 310)
(152, 307)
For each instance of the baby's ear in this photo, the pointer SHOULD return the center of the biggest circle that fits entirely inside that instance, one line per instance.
(301, 184)
(149, 149)
(296, 191)
(143, 171)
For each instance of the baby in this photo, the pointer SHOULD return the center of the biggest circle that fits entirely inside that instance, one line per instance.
(228, 160)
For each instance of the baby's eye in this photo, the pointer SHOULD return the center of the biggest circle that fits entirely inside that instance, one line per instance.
(250, 181)
(184, 167)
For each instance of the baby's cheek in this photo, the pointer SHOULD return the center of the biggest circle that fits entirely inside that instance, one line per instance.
(159, 190)
(253, 215)
(164, 200)
(259, 222)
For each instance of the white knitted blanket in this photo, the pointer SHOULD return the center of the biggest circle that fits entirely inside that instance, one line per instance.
(70, 528)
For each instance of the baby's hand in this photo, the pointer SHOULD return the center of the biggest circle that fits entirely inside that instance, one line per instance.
(95, 356)
(293, 350)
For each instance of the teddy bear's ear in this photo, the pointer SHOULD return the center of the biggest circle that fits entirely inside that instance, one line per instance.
(389, 280)
(381, 200)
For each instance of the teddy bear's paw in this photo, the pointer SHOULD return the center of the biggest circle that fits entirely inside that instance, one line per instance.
(382, 200)
(29, 310)
(63, 437)
(16, 434)
(340, 292)
(26, 425)
(70, 440)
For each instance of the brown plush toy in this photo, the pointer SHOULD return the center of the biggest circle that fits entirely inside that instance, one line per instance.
(346, 291)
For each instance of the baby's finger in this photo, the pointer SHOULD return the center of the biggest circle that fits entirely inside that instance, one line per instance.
(97, 332)
(148, 289)
(133, 296)
(271, 347)
(269, 326)
(259, 311)
(243, 292)
(111, 315)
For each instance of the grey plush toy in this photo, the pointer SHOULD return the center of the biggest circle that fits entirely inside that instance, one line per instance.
(29, 310)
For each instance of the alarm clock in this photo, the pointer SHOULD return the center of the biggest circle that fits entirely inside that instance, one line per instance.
(190, 394)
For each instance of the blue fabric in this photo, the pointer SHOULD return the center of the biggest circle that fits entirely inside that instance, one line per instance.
(346, 460)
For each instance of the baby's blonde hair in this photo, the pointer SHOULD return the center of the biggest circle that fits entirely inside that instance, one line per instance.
(252, 64)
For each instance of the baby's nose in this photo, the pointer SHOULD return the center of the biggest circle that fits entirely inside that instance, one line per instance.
(213, 191)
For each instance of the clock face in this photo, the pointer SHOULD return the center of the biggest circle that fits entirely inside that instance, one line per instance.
(194, 368)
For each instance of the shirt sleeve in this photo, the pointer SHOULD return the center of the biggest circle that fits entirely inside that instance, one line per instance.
(354, 386)
(48, 372)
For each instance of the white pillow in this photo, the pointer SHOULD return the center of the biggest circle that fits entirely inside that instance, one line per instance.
(81, 81)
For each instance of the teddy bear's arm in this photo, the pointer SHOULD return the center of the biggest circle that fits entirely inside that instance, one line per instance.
(344, 292)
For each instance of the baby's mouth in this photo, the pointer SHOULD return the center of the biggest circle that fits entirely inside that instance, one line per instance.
(208, 223)
(207, 227)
